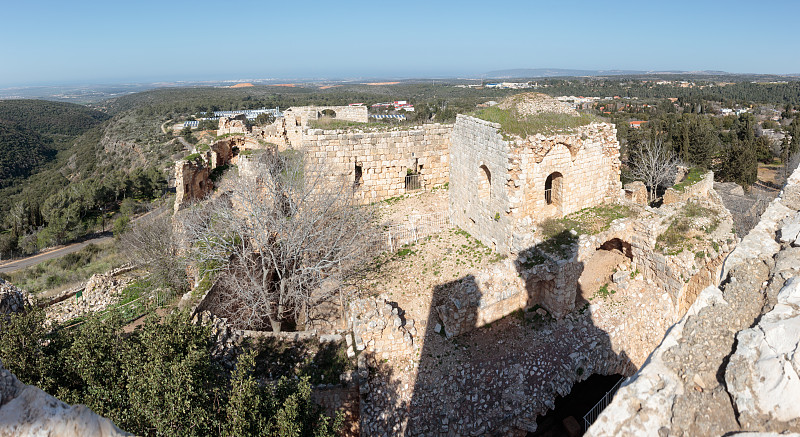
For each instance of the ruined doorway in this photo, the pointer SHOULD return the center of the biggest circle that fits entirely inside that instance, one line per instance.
(612, 256)
(484, 183)
(553, 189)
(329, 113)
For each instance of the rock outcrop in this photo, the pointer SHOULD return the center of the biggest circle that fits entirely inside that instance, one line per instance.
(28, 411)
(731, 364)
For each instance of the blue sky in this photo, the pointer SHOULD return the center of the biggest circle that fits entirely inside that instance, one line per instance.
(52, 42)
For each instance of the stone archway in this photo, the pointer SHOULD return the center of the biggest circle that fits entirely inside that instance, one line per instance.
(484, 183)
(328, 113)
(553, 189)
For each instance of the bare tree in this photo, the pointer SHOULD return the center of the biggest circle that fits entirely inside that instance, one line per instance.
(152, 245)
(654, 164)
(284, 240)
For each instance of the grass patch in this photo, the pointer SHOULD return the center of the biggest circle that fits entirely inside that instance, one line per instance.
(694, 176)
(603, 292)
(193, 157)
(523, 126)
(691, 221)
(405, 252)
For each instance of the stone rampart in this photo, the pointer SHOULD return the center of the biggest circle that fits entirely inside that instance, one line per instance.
(698, 190)
(729, 357)
(377, 163)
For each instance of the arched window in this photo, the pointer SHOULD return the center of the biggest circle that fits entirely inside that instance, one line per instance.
(484, 183)
(552, 189)
(330, 113)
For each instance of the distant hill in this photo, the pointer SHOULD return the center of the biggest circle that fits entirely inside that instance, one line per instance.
(558, 72)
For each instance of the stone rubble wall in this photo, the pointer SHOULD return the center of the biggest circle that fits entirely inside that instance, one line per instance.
(587, 160)
(99, 292)
(13, 299)
(385, 157)
(381, 328)
(636, 192)
(510, 286)
(729, 359)
(697, 190)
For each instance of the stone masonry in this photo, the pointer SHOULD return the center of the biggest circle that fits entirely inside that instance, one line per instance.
(730, 364)
(498, 185)
(377, 163)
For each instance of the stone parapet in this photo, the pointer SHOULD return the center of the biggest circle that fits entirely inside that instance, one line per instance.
(729, 357)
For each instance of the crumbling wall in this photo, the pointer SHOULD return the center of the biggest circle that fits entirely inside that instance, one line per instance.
(358, 114)
(729, 357)
(528, 179)
(695, 191)
(636, 192)
(383, 158)
(192, 182)
(382, 329)
(235, 125)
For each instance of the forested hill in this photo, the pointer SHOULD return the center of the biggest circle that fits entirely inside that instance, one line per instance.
(21, 152)
(33, 131)
(50, 118)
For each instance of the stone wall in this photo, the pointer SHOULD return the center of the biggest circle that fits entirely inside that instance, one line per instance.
(192, 182)
(303, 114)
(13, 299)
(235, 125)
(729, 358)
(697, 190)
(381, 328)
(383, 158)
(498, 185)
(636, 192)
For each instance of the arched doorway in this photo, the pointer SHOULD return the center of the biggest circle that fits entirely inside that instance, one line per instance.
(484, 183)
(553, 188)
(329, 113)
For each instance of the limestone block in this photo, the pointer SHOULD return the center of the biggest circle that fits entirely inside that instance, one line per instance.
(762, 375)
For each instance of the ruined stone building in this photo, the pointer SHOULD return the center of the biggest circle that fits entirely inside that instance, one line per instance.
(502, 186)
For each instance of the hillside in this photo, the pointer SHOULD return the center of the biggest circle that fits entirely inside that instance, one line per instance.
(22, 151)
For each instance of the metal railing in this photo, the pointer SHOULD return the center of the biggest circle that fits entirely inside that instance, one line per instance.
(548, 195)
(591, 416)
(413, 182)
(415, 228)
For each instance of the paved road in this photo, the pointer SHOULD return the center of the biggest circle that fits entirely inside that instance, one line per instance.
(36, 259)
(55, 253)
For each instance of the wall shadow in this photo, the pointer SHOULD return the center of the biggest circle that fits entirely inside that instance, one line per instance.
(498, 377)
